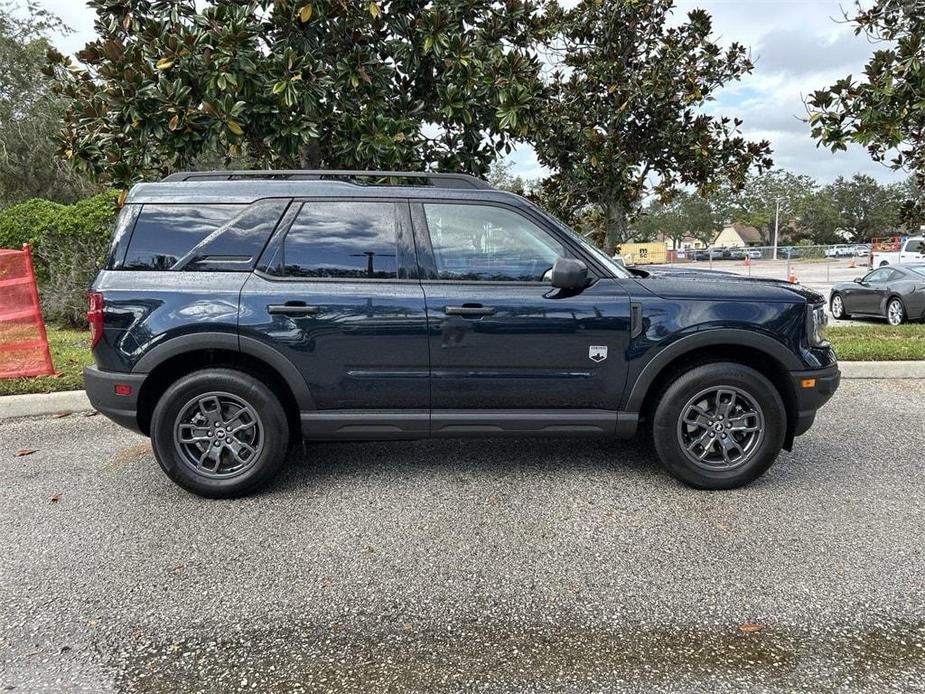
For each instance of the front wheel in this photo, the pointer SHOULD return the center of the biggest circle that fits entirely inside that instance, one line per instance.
(895, 312)
(219, 433)
(719, 426)
(838, 308)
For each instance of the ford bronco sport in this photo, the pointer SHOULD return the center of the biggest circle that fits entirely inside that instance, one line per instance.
(240, 311)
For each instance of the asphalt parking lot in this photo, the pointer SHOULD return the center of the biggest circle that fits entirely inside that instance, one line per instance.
(490, 566)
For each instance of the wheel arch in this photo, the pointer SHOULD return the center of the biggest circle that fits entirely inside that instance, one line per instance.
(761, 353)
(189, 353)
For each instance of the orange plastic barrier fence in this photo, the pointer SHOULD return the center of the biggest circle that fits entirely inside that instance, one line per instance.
(23, 342)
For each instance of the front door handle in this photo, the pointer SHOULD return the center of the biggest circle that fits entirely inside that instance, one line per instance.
(469, 311)
(292, 308)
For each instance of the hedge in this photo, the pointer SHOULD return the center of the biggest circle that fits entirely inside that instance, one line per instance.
(69, 245)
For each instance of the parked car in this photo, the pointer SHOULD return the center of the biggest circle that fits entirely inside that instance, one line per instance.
(239, 312)
(702, 254)
(861, 250)
(912, 250)
(788, 252)
(840, 251)
(754, 253)
(896, 293)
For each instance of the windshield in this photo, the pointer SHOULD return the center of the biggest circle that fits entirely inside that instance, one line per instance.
(616, 268)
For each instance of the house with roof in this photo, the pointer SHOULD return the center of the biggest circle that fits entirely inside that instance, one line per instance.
(739, 236)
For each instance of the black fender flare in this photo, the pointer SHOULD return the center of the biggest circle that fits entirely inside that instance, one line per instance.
(231, 342)
(718, 337)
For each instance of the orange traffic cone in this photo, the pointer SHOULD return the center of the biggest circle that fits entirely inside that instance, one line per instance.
(793, 278)
(748, 261)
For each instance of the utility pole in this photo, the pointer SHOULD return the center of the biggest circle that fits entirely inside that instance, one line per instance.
(776, 226)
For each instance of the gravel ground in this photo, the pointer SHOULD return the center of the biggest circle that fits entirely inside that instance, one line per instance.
(489, 566)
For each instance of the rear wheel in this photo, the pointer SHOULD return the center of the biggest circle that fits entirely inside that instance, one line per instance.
(719, 426)
(838, 308)
(219, 433)
(895, 311)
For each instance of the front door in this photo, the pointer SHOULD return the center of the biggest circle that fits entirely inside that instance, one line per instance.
(341, 300)
(508, 352)
(867, 298)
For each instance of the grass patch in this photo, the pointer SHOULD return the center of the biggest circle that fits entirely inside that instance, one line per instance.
(70, 352)
(878, 342)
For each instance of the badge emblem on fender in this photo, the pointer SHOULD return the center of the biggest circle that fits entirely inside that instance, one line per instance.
(597, 353)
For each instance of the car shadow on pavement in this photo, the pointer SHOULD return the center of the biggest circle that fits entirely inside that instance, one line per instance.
(313, 462)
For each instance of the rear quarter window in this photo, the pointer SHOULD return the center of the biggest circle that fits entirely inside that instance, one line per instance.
(201, 237)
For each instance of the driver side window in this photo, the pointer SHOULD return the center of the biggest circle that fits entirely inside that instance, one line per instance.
(881, 275)
(487, 243)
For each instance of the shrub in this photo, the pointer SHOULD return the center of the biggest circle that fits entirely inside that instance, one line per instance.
(27, 222)
(69, 246)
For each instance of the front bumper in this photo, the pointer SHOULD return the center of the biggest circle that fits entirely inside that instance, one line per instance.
(101, 391)
(824, 383)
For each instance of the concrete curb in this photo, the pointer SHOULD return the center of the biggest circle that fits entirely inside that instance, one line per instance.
(882, 369)
(12, 406)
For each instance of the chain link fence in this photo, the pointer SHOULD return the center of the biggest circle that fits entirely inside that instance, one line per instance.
(821, 265)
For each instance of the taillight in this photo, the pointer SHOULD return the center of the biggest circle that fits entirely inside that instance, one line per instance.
(95, 317)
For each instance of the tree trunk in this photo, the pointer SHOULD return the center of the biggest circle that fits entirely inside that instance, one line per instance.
(615, 229)
(310, 155)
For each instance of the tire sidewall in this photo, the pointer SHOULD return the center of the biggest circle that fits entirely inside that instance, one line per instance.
(242, 385)
(686, 386)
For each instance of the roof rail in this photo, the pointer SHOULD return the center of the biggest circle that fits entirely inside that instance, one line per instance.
(437, 180)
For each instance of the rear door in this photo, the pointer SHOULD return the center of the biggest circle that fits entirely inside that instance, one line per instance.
(507, 350)
(337, 293)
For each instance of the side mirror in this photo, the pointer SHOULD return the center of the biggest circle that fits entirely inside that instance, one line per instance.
(569, 273)
(859, 280)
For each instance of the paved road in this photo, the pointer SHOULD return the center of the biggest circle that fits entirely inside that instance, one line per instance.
(503, 566)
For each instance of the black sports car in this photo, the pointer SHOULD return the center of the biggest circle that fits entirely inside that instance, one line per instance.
(896, 293)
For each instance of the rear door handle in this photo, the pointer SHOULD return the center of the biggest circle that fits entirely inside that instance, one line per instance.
(469, 311)
(292, 308)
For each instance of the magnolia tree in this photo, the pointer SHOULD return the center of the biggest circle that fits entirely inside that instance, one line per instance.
(883, 111)
(387, 84)
(625, 115)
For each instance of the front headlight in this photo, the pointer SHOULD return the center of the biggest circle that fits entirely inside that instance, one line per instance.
(816, 320)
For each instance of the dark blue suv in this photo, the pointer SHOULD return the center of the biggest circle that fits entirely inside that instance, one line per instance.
(241, 311)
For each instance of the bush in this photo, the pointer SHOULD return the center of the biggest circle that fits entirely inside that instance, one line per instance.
(69, 246)
(27, 222)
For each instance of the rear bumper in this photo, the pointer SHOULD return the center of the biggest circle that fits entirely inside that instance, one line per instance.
(811, 397)
(101, 391)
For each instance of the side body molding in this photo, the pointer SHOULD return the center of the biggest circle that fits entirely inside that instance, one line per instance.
(719, 337)
(233, 343)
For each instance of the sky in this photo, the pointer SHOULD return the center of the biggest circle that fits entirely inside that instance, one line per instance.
(798, 46)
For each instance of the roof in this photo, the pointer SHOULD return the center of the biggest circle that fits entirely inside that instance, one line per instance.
(248, 191)
(747, 233)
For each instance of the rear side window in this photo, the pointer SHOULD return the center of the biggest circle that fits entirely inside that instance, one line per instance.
(915, 246)
(201, 237)
(353, 240)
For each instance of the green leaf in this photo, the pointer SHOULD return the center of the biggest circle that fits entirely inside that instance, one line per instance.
(305, 13)
(234, 127)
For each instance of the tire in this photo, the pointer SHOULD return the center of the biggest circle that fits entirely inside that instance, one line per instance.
(757, 449)
(842, 314)
(895, 311)
(885, 262)
(220, 410)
